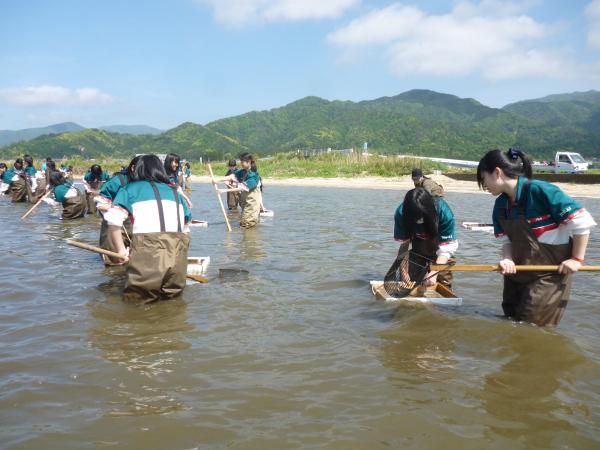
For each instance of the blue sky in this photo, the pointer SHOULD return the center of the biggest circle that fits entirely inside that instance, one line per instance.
(161, 63)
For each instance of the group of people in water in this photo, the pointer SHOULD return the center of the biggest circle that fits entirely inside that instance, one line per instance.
(145, 217)
(537, 223)
(144, 209)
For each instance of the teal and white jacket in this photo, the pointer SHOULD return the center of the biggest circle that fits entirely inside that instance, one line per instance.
(447, 242)
(109, 190)
(553, 216)
(64, 191)
(138, 202)
(247, 177)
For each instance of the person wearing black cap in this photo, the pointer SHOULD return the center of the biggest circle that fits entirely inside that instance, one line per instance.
(233, 198)
(435, 189)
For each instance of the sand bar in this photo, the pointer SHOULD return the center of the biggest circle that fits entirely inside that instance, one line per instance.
(405, 183)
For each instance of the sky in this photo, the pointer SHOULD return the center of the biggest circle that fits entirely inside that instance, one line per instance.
(164, 62)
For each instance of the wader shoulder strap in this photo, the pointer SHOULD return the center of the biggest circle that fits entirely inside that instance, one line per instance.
(176, 194)
(161, 213)
(523, 199)
(122, 179)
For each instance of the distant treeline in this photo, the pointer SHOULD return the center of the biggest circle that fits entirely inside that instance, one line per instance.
(417, 122)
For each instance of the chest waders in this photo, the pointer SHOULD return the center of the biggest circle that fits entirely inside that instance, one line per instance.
(18, 190)
(158, 261)
(104, 240)
(91, 203)
(534, 297)
(39, 191)
(74, 207)
(250, 204)
(424, 251)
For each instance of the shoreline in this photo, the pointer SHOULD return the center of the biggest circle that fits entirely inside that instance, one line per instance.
(405, 183)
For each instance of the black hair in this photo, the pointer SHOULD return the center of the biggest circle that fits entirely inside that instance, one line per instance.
(149, 168)
(3, 165)
(96, 170)
(513, 163)
(131, 166)
(232, 162)
(419, 204)
(187, 164)
(51, 165)
(56, 178)
(168, 160)
(48, 159)
(28, 160)
(19, 162)
(248, 157)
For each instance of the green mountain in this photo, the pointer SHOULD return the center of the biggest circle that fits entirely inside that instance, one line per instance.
(419, 122)
(192, 141)
(579, 109)
(88, 143)
(10, 136)
(131, 129)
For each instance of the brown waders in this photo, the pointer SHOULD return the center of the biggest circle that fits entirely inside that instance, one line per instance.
(233, 200)
(91, 203)
(74, 207)
(39, 192)
(250, 203)
(534, 297)
(157, 266)
(18, 190)
(424, 251)
(106, 243)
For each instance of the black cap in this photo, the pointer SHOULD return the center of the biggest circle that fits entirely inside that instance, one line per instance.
(417, 173)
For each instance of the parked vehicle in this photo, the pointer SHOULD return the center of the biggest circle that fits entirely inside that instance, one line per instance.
(568, 162)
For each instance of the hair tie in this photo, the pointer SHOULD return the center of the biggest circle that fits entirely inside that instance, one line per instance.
(514, 153)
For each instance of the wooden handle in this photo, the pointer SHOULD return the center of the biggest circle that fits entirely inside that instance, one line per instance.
(212, 177)
(37, 203)
(496, 268)
(198, 278)
(92, 248)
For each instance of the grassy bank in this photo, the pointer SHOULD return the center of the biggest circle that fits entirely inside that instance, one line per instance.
(329, 166)
(282, 165)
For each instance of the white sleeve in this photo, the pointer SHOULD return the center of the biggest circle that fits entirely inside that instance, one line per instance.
(116, 216)
(580, 224)
(447, 249)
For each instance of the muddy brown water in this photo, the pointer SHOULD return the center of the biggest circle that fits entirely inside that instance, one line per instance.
(298, 354)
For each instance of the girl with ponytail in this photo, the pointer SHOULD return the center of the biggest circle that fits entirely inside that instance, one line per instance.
(537, 224)
(426, 225)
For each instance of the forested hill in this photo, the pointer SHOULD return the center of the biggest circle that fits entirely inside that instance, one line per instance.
(417, 122)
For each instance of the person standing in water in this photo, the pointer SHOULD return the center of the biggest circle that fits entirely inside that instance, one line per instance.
(248, 181)
(426, 224)
(72, 199)
(93, 181)
(160, 237)
(537, 224)
(15, 177)
(233, 198)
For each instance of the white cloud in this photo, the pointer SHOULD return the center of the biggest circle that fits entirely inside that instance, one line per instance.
(241, 12)
(54, 95)
(491, 37)
(592, 13)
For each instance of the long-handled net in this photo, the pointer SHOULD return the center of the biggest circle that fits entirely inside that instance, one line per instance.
(407, 273)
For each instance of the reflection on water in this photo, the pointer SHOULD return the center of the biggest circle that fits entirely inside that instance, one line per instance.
(296, 355)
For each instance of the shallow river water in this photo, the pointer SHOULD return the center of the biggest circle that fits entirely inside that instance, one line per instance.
(299, 355)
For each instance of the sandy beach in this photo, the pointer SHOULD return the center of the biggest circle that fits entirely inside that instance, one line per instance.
(405, 183)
